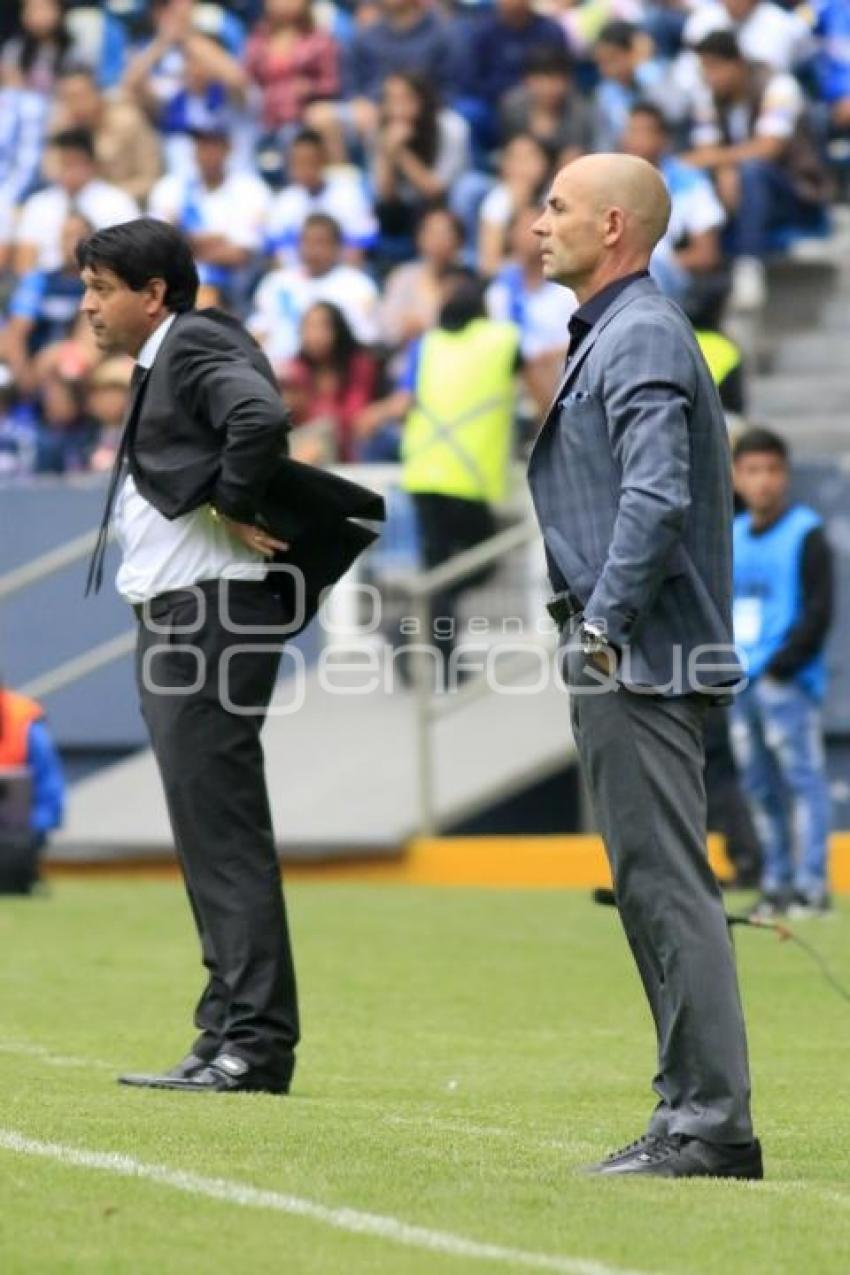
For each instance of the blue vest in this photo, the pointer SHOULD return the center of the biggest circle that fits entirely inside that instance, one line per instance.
(767, 591)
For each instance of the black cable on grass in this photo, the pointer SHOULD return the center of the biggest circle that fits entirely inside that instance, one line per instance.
(606, 898)
(785, 934)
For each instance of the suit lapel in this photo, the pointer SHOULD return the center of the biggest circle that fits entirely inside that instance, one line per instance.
(640, 287)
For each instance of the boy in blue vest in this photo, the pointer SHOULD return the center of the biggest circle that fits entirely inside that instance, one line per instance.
(783, 608)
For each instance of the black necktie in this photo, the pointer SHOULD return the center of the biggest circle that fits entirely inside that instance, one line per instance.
(95, 572)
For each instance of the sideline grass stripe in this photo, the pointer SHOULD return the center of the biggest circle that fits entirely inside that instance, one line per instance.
(341, 1219)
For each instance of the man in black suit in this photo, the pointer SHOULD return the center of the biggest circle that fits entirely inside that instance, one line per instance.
(226, 547)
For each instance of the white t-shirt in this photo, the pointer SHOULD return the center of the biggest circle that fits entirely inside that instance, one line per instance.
(694, 206)
(44, 214)
(769, 34)
(342, 198)
(283, 297)
(236, 209)
(497, 206)
(172, 553)
(781, 108)
(541, 313)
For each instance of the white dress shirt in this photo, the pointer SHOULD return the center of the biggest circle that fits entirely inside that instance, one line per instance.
(172, 553)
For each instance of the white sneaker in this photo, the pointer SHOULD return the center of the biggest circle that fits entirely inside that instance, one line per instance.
(749, 285)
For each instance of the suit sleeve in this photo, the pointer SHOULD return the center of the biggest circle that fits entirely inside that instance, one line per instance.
(649, 387)
(217, 383)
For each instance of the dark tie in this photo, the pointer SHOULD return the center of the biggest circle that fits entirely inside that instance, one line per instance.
(95, 572)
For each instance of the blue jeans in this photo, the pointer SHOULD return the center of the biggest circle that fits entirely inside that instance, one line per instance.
(768, 203)
(778, 746)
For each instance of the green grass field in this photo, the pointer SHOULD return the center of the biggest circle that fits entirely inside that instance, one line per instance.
(464, 1051)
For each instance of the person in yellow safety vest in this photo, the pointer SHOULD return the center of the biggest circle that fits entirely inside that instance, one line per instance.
(723, 356)
(25, 744)
(725, 363)
(458, 400)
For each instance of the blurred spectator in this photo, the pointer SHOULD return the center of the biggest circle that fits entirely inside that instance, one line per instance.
(408, 36)
(783, 610)
(38, 236)
(496, 48)
(184, 79)
(526, 168)
(690, 251)
(832, 27)
(100, 39)
(18, 431)
(419, 151)
(752, 134)
(548, 106)
(33, 59)
(44, 307)
(284, 296)
(223, 215)
(293, 62)
(26, 744)
(107, 396)
(312, 187)
(329, 382)
(723, 355)
(541, 310)
(766, 32)
(66, 434)
(458, 399)
(126, 147)
(412, 292)
(629, 72)
(582, 20)
(23, 116)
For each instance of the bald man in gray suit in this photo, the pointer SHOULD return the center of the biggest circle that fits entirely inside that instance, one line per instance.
(630, 477)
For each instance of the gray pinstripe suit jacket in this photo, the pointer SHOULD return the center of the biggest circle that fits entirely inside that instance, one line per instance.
(630, 478)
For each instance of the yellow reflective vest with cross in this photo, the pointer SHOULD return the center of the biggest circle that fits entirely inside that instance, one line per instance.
(457, 438)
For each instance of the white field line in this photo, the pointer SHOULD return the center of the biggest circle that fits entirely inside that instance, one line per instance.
(465, 1128)
(352, 1221)
(47, 1056)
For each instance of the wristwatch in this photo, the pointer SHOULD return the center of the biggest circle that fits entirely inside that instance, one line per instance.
(592, 639)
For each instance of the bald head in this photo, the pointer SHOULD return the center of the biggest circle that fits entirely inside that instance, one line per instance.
(603, 218)
(627, 183)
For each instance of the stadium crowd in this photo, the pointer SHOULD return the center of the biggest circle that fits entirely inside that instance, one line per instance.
(333, 163)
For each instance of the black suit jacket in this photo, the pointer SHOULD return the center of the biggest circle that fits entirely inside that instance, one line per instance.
(211, 429)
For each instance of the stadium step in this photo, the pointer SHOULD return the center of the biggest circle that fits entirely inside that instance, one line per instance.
(342, 771)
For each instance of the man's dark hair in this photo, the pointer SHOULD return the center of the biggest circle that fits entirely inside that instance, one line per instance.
(465, 300)
(759, 439)
(76, 70)
(620, 35)
(325, 222)
(307, 137)
(438, 209)
(654, 113)
(141, 250)
(720, 44)
(543, 59)
(74, 139)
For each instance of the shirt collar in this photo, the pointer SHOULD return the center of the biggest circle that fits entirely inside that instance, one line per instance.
(592, 310)
(150, 349)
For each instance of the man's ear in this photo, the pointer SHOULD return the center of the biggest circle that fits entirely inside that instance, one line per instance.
(615, 223)
(155, 290)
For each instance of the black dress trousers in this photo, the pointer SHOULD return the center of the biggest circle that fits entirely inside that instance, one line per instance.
(204, 702)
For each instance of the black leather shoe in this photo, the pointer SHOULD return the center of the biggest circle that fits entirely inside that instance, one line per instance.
(188, 1066)
(679, 1157)
(227, 1073)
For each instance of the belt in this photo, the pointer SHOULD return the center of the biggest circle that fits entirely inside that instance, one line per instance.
(565, 606)
(162, 602)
